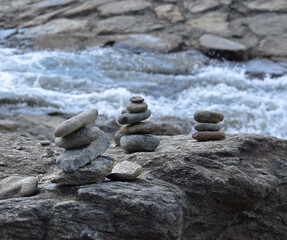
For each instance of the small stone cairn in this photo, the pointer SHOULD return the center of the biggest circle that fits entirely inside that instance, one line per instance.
(207, 126)
(82, 162)
(135, 133)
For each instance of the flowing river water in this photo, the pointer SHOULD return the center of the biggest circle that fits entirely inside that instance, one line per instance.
(175, 84)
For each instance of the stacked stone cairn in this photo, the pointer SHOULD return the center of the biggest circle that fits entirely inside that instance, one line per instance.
(207, 126)
(82, 162)
(135, 134)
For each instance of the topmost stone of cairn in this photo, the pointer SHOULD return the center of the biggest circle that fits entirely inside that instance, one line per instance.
(204, 116)
(136, 99)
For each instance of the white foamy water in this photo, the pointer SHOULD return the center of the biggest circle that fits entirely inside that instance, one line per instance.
(175, 84)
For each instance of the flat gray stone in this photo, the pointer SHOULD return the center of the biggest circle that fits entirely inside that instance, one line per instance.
(207, 127)
(125, 171)
(139, 143)
(94, 172)
(81, 120)
(73, 159)
(201, 5)
(208, 136)
(204, 116)
(136, 107)
(136, 99)
(146, 127)
(129, 118)
(117, 137)
(16, 186)
(8, 125)
(79, 138)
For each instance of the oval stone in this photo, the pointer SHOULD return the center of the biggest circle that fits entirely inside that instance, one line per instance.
(81, 120)
(147, 127)
(207, 127)
(208, 136)
(80, 137)
(139, 143)
(124, 111)
(117, 137)
(136, 107)
(129, 118)
(208, 117)
(125, 171)
(136, 99)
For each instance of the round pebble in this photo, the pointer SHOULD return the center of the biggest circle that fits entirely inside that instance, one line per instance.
(208, 117)
(208, 136)
(117, 137)
(81, 120)
(129, 118)
(136, 99)
(139, 143)
(136, 107)
(147, 127)
(207, 127)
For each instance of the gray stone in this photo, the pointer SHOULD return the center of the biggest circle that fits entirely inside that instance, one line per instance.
(274, 46)
(81, 120)
(207, 127)
(123, 7)
(124, 111)
(208, 136)
(169, 12)
(125, 171)
(78, 138)
(45, 142)
(266, 6)
(201, 5)
(136, 107)
(94, 172)
(136, 99)
(139, 143)
(117, 137)
(146, 127)
(8, 125)
(16, 186)
(73, 159)
(129, 118)
(204, 116)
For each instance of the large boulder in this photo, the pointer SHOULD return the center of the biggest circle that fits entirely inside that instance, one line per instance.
(229, 189)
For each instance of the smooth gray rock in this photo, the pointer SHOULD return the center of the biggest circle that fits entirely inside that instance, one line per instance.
(136, 99)
(16, 186)
(81, 120)
(208, 136)
(117, 137)
(207, 127)
(139, 143)
(94, 172)
(136, 107)
(129, 118)
(146, 127)
(45, 142)
(80, 137)
(73, 159)
(125, 171)
(204, 116)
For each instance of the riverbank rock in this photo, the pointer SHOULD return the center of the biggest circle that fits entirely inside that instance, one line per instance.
(125, 171)
(229, 189)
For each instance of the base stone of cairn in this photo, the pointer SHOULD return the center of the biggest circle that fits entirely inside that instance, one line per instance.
(82, 162)
(135, 134)
(207, 126)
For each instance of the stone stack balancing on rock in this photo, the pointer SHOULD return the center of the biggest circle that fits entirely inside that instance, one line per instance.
(135, 133)
(81, 162)
(207, 126)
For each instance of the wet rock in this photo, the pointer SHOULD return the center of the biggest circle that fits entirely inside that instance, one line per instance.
(220, 47)
(125, 171)
(139, 143)
(8, 125)
(117, 137)
(129, 118)
(78, 138)
(146, 127)
(169, 12)
(204, 116)
(207, 127)
(81, 120)
(16, 186)
(136, 107)
(73, 159)
(94, 172)
(275, 47)
(208, 136)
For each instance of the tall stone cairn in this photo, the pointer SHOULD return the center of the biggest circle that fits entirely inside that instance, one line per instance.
(135, 134)
(207, 126)
(82, 162)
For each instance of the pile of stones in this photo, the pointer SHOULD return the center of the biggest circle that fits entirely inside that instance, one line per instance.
(135, 133)
(82, 162)
(207, 126)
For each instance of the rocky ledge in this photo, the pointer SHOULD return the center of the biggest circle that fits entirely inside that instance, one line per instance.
(229, 28)
(230, 189)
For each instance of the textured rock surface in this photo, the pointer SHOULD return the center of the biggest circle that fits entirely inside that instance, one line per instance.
(207, 127)
(130, 118)
(146, 127)
(230, 189)
(73, 159)
(208, 136)
(125, 171)
(204, 116)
